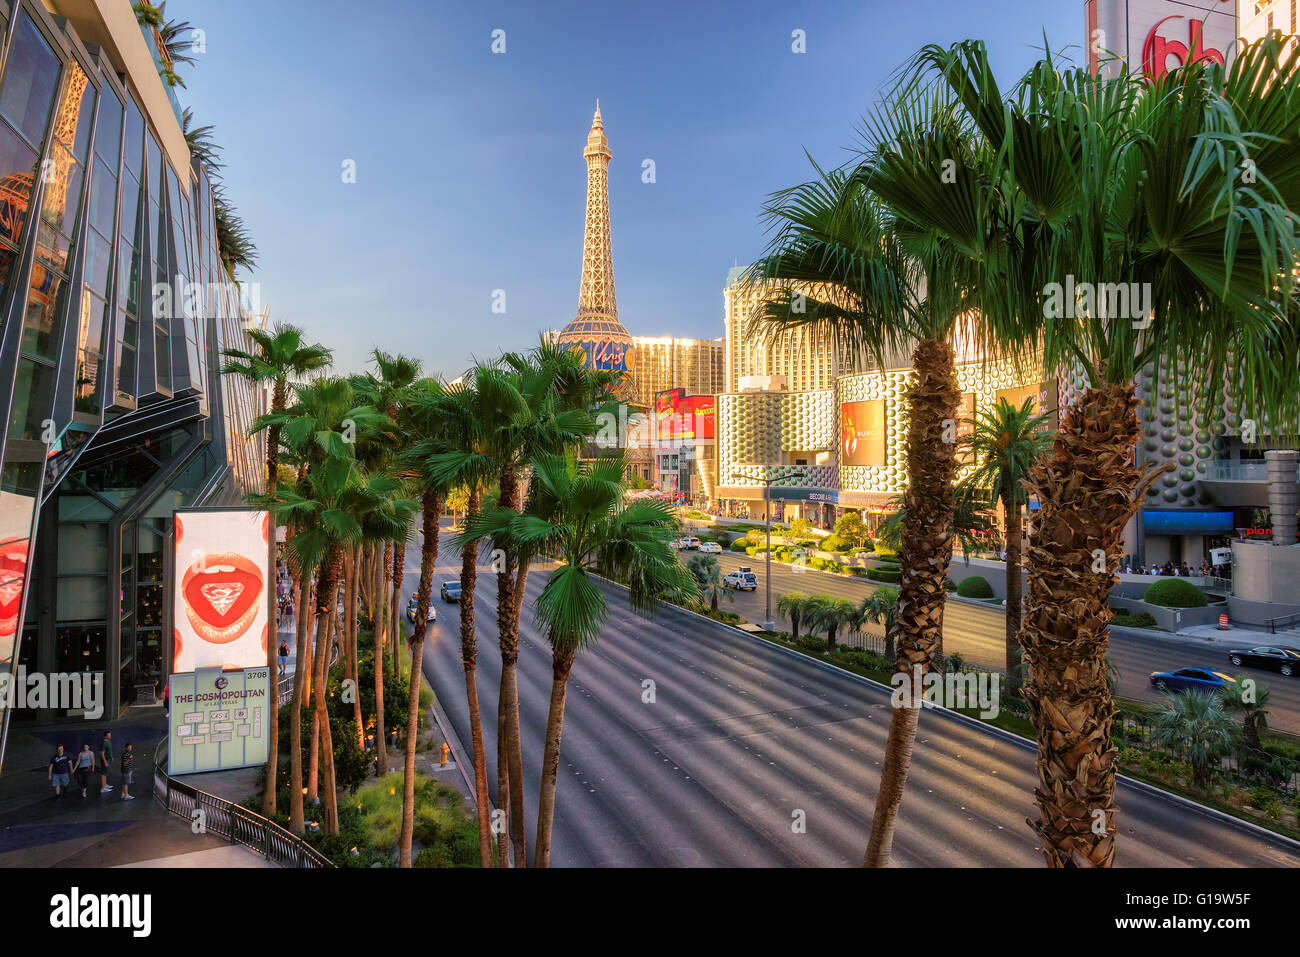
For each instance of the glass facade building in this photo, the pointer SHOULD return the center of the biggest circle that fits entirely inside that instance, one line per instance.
(114, 307)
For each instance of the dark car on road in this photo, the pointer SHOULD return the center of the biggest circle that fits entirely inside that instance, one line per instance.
(1269, 657)
(451, 590)
(1191, 679)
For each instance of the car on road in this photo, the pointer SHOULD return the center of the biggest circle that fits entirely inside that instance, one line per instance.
(1270, 657)
(412, 607)
(741, 580)
(713, 547)
(690, 543)
(1191, 679)
(451, 589)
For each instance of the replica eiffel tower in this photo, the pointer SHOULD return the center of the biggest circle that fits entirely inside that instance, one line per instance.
(596, 329)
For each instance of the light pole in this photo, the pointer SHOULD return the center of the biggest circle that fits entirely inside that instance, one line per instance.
(769, 623)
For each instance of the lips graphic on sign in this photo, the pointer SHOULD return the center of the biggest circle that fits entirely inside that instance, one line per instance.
(13, 569)
(221, 596)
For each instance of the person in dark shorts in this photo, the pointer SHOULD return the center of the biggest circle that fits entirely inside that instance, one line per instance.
(85, 764)
(60, 771)
(128, 777)
(284, 657)
(105, 762)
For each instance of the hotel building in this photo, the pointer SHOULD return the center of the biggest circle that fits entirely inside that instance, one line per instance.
(115, 413)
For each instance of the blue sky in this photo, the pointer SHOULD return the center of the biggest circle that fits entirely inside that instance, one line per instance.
(469, 169)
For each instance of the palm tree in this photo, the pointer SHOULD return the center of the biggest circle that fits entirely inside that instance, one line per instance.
(1249, 697)
(1008, 442)
(578, 514)
(278, 357)
(1113, 180)
(708, 576)
(878, 283)
(1197, 724)
(792, 605)
(831, 615)
(320, 508)
(420, 398)
(881, 608)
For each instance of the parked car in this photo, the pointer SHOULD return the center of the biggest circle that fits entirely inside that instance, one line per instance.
(741, 581)
(690, 542)
(451, 590)
(412, 607)
(1269, 657)
(710, 547)
(675, 544)
(1191, 679)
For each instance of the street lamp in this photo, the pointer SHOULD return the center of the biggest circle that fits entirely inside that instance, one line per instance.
(769, 624)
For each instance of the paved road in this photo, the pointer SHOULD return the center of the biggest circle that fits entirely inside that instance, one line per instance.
(743, 739)
(977, 634)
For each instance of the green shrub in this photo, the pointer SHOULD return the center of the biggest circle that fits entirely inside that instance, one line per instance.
(739, 545)
(1174, 593)
(751, 550)
(949, 585)
(885, 574)
(974, 587)
(1128, 619)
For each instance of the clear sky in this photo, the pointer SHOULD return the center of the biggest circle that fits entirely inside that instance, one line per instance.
(469, 169)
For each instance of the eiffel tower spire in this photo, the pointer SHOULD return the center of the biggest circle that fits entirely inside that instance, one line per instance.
(596, 327)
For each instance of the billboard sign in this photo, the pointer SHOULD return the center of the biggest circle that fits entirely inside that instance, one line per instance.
(218, 719)
(862, 433)
(221, 603)
(1157, 36)
(682, 416)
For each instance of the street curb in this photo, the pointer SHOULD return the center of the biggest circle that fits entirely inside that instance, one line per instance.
(1024, 743)
(449, 735)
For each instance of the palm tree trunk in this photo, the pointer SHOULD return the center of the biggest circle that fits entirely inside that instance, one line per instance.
(354, 589)
(1088, 489)
(924, 554)
(469, 657)
(380, 606)
(395, 605)
(794, 625)
(296, 818)
(273, 642)
(385, 599)
(428, 555)
(508, 639)
(1011, 508)
(561, 666)
(326, 600)
(510, 692)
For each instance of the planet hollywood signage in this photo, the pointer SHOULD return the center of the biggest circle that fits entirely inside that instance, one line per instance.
(1157, 36)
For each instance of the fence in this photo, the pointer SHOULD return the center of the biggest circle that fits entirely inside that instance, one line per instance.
(227, 819)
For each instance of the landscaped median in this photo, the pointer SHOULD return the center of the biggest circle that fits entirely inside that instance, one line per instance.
(1255, 785)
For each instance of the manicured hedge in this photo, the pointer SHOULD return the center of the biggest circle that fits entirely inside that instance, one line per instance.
(885, 574)
(974, 587)
(1174, 593)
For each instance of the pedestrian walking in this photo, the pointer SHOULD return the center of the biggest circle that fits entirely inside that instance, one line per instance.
(105, 762)
(85, 764)
(60, 770)
(128, 775)
(284, 657)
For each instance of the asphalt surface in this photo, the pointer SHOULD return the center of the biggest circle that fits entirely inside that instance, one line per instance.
(744, 741)
(977, 633)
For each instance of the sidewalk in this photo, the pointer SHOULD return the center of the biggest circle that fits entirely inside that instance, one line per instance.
(102, 830)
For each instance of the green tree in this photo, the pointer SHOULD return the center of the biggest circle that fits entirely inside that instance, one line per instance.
(1249, 698)
(881, 608)
(831, 615)
(793, 605)
(852, 531)
(1197, 724)
(708, 576)
(579, 514)
(1118, 183)
(1008, 442)
(278, 358)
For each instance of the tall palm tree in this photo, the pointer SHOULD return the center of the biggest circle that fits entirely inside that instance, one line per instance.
(280, 358)
(1112, 179)
(578, 514)
(1008, 442)
(831, 615)
(792, 604)
(878, 283)
(1196, 723)
(1250, 698)
(320, 508)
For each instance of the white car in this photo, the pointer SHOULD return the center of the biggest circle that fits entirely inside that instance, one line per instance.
(710, 547)
(690, 543)
(741, 581)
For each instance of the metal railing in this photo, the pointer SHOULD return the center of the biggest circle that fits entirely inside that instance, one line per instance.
(1284, 621)
(227, 819)
(1248, 471)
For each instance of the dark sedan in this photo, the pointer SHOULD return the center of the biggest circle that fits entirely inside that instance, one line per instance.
(1191, 679)
(1268, 657)
(451, 590)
